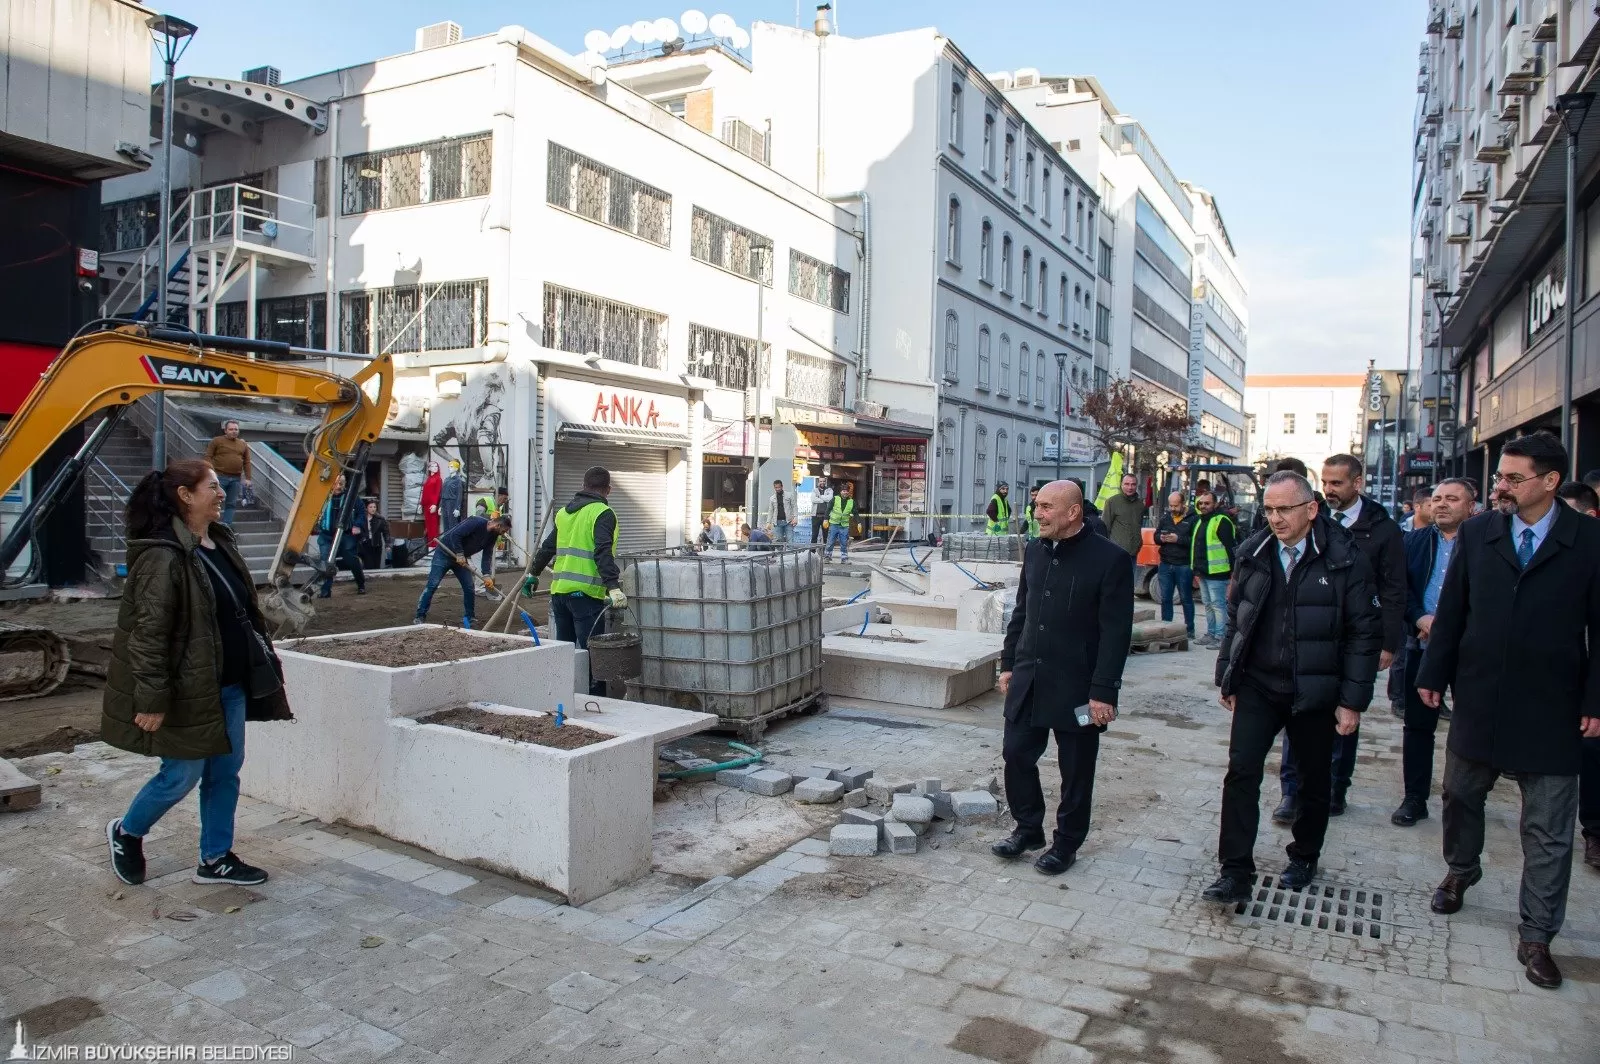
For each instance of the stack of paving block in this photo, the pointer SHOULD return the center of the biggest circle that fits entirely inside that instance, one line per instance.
(909, 809)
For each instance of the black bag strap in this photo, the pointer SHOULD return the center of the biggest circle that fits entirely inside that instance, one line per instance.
(238, 607)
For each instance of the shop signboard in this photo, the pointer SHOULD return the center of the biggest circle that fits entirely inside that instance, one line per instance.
(837, 446)
(602, 406)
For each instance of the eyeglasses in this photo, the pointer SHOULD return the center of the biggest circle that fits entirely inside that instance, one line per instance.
(1285, 511)
(1516, 480)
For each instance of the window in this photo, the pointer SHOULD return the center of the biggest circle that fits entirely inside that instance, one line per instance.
(988, 143)
(986, 253)
(1044, 197)
(1002, 440)
(1220, 430)
(1105, 260)
(980, 458)
(726, 357)
(1102, 323)
(1066, 207)
(1022, 465)
(1024, 370)
(595, 191)
(947, 452)
(1008, 179)
(1219, 389)
(952, 346)
(1038, 450)
(1027, 277)
(1063, 298)
(718, 242)
(456, 168)
(1250, 424)
(983, 358)
(1044, 291)
(955, 115)
(814, 280)
(952, 233)
(676, 106)
(298, 320)
(132, 224)
(588, 324)
(818, 381)
(1322, 425)
(1004, 381)
(1288, 424)
(1027, 181)
(1038, 379)
(450, 316)
(1223, 354)
(1005, 264)
(1078, 209)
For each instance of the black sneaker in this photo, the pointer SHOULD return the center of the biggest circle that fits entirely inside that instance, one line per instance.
(1288, 811)
(127, 853)
(229, 869)
(1411, 810)
(1229, 889)
(1298, 875)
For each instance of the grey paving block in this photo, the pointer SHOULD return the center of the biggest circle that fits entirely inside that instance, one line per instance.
(853, 778)
(974, 805)
(882, 791)
(734, 777)
(911, 809)
(826, 769)
(862, 816)
(942, 807)
(986, 783)
(853, 840)
(855, 799)
(898, 837)
(818, 792)
(768, 781)
(929, 785)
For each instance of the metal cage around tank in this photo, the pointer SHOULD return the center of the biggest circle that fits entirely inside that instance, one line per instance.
(981, 547)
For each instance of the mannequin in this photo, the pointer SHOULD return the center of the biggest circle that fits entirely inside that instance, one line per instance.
(452, 498)
(431, 489)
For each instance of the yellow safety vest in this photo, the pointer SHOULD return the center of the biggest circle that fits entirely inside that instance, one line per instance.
(1002, 516)
(575, 568)
(843, 508)
(1216, 556)
(1031, 521)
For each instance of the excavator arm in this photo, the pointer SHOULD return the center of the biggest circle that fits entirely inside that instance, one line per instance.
(107, 371)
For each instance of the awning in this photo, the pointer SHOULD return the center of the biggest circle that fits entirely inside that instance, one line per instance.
(208, 105)
(592, 433)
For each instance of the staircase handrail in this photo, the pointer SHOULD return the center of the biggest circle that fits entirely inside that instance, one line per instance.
(105, 499)
(275, 480)
(139, 280)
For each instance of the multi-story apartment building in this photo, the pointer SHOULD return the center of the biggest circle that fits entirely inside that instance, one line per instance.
(1488, 224)
(1308, 416)
(567, 274)
(1174, 306)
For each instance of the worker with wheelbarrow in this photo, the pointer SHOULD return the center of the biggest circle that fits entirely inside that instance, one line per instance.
(586, 580)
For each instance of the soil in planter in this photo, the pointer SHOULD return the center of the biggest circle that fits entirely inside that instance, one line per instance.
(418, 646)
(541, 731)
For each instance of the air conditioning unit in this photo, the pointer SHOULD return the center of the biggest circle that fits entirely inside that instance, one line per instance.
(1436, 16)
(1001, 81)
(1432, 110)
(1433, 278)
(263, 75)
(1450, 139)
(1454, 21)
(1519, 62)
(1025, 78)
(1460, 226)
(1425, 227)
(867, 408)
(1493, 139)
(747, 140)
(1424, 80)
(1416, 267)
(438, 35)
(1422, 149)
(1511, 109)
(1544, 18)
(1435, 193)
(1475, 180)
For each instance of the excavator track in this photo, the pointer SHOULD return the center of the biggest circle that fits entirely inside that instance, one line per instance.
(33, 661)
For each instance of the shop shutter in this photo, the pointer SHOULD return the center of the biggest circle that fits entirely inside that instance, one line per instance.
(638, 488)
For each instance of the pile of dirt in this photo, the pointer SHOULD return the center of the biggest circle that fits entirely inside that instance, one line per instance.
(424, 645)
(541, 731)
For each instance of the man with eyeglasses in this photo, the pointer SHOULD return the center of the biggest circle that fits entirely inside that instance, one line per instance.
(1299, 654)
(1517, 617)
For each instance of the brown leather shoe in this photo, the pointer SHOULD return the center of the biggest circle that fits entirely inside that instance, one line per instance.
(1591, 851)
(1452, 892)
(1540, 967)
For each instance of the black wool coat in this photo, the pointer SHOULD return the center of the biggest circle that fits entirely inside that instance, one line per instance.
(1068, 637)
(1383, 542)
(1517, 645)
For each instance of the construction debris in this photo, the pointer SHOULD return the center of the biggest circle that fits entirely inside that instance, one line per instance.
(818, 791)
(853, 840)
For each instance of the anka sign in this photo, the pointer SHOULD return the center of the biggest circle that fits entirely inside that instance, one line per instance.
(604, 407)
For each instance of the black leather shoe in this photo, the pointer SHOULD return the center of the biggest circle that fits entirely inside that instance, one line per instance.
(1539, 966)
(1288, 811)
(1336, 805)
(1298, 875)
(1228, 890)
(1411, 810)
(1452, 893)
(1053, 862)
(1016, 844)
(1591, 851)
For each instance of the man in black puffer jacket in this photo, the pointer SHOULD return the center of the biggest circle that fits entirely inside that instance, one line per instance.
(1299, 654)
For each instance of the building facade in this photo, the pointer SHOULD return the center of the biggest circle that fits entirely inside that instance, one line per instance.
(1490, 288)
(1308, 416)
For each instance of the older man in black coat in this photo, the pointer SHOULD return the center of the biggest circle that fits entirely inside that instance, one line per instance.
(1515, 636)
(1060, 670)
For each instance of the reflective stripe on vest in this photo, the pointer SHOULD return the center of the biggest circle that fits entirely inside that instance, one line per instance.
(1216, 554)
(575, 569)
(843, 508)
(1002, 516)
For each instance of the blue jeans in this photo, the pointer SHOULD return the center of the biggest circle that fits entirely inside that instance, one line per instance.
(218, 778)
(782, 531)
(1214, 593)
(1181, 578)
(441, 565)
(839, 534)
(231, 486)
(575, 616)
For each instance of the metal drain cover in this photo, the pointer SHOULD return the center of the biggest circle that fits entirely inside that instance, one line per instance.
(1352, 911)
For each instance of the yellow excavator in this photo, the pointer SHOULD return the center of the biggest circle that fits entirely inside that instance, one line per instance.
(114, 363)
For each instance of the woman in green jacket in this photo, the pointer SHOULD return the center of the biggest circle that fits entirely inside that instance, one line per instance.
(190, 663)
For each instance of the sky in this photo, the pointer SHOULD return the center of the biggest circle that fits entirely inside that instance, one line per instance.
(1297, 120)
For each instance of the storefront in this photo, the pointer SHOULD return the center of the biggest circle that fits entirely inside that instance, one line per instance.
(729, 456)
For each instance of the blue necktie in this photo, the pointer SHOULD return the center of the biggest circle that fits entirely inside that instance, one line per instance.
(1525, 551)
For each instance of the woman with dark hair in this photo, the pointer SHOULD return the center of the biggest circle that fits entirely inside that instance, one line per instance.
(190, 663)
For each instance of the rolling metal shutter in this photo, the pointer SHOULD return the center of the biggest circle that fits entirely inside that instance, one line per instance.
(638, 488)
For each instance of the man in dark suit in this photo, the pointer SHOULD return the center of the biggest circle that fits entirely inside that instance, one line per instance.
(1060, 671)
(1518, 618)
(1581, 497)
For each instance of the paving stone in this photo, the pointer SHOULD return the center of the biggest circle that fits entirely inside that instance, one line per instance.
(768, 781)
(853, 778)
(856, 799)
(862, 816)
(928, 786)
(986, 783)
(942, 807)
(444, 881)
(818, 791)
(359, 1044)
(853, 840)
(734, 777)
(581, 991)
(882, 791)
(826, 769)
(911, 809)
(974, 806)
(898, 837)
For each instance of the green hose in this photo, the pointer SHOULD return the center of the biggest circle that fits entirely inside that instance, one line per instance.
(685, 773)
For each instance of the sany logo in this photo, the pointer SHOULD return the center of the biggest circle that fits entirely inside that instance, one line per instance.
(631, 410)
(169, 371)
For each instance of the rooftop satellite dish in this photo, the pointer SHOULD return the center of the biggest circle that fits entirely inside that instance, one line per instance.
(596, 41)
(621, 36)
(665, 29)
(739, 38)
(693, 20)
(722, 25)
(643, 31)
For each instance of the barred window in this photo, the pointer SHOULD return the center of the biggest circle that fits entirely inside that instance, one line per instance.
(583, 186)
(586, 324)
(1005, 264)
(132, 224)
(818, 381)
(986, 252)
(1022, 463)
(815, 280)
(449, 169)
(952, 346)
(449, 316)
(947, 452)
(297, 320)
(725, 357)
(1003, 381)
(981, 454)
(1001, 442)
(1038, 379)
(717, 241)
(983, 358)
(1027, 277)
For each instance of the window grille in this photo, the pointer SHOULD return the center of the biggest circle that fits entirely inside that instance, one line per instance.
(818, 381)
(1004, 382)
(983, 358)
(986, 252)
(947, 452)
(952, 346)
(725, 357)
(1005, 264)
(1000, 443)
(132, 224)
(454, 168)
(449, 316)
(594, 190)
(588, 324)
(1027, 276)
(1022, 464)
(952, 233)
(1024, 371)
(715, 240)
(1044, 282)
(814, 280)
(1038, 379)
(745, 139)
(980, 480)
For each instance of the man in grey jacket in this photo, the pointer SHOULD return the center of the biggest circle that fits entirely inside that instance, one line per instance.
(822, 505)
(1124, 517)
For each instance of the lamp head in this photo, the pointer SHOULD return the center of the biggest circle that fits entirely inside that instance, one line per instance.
(171, 26)
(1573, 107)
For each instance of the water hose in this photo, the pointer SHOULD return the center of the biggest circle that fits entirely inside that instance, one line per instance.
(865, 620)
(981, 583)
(857, 595)
(912, 550)
(531, 629)
(739, 762)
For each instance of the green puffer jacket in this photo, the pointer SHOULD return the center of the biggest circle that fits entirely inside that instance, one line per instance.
(167, 652)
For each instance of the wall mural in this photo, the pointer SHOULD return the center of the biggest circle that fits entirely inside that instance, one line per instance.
(467, 428)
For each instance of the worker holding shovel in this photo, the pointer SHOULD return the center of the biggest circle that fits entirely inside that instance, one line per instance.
(457, 545)
(583, 547)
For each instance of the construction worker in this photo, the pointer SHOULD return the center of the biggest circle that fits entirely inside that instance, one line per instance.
(583, 546)
(464, 540)
(1030, 523)
(844, 509)
(999, 512)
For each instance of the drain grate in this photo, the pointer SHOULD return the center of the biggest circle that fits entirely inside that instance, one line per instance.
(1350, 911)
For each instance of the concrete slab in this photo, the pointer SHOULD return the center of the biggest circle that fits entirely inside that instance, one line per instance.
(918, 611)
(847, 616)
(930, 667)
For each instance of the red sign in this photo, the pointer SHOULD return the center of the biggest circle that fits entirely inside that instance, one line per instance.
(633, 411)
(21, 366)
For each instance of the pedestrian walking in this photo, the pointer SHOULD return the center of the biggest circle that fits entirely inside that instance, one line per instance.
(1428, 554)
(1518, 617)
(1060, 672)
(1124, 518)
(230, 457)
(375, 543)
(1299, 654)
(348, 553)
(464, 540)
(1174, 545)
(432, 491)
(191, 662)
(821, 507)
(1212, 545)
(780, 513)
(844, 508)
(583, 547)
(998, 512)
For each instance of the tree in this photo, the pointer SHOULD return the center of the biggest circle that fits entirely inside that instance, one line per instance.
(1125, 415)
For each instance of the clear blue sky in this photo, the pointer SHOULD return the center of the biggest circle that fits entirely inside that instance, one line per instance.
(1296, 116)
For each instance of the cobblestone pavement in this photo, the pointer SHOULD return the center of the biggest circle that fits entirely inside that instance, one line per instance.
(361, 949)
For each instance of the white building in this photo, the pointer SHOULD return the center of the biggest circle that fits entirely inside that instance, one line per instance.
(1308, 416)
(566, 272)
(1173, 302)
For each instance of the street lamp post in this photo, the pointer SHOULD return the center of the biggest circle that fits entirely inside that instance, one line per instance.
(1399, 440)
(1061, 408)
(1440, 298)
(172, 36)
(1573, 108)
(760, 261)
